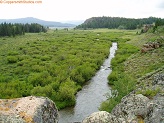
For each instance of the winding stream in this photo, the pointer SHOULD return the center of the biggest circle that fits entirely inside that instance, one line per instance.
(89, 99)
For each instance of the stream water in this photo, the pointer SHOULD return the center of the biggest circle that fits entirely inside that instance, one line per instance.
(89, 99)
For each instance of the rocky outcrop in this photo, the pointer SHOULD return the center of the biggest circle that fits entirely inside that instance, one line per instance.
(28, 110)
(150, 46)
(132, 109)
(135, 108)
(139, 107)
(155, 108)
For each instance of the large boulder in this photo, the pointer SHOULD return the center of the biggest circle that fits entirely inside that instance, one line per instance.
(131, 107)
(155, 110)
(101, 117)
(136, 108)
(28, 110)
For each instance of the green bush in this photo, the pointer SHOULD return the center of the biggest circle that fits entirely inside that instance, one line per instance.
(39, 79)
(108, 105)
(113, 77)
(37, 68)
(15, 89)
(13, 53)
(42, 91)
(66, 94)
(12, 59)
(45, 58)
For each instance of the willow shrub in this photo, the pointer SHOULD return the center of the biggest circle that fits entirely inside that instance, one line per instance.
(12, 59)
(54, 64)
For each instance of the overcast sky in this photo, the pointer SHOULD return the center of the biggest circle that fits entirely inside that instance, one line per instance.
(64, 10)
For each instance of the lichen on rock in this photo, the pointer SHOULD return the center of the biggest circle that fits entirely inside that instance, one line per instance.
(131, 106)
(132, 109)
(28, 110)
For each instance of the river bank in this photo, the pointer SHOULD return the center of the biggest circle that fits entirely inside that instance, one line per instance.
(133, 65)
(89, 99)
(141, 75)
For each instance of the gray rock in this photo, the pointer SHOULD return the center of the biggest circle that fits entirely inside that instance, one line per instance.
(11, 119)
(156, 110)
(135, 108)
(131, 106)
(158, 79)
(132, 109)
(27, 110)
(101, 117)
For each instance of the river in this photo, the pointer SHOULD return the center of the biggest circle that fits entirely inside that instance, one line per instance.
(89, 99)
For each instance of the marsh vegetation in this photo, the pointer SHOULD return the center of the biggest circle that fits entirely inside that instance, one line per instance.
(55, 64)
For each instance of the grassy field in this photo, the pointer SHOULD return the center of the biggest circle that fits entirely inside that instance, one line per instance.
(130, 66)
(54, 64)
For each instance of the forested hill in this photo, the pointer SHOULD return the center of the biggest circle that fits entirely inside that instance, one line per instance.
(116, 22)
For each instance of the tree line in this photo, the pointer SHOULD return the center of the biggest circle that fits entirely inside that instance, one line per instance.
(116, 22)
(159, 22)
(8, 29)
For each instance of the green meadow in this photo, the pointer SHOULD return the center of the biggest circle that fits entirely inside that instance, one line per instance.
(57, 64)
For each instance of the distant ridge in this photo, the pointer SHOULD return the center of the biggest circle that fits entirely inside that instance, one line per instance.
(116, 22)
(39, 21)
